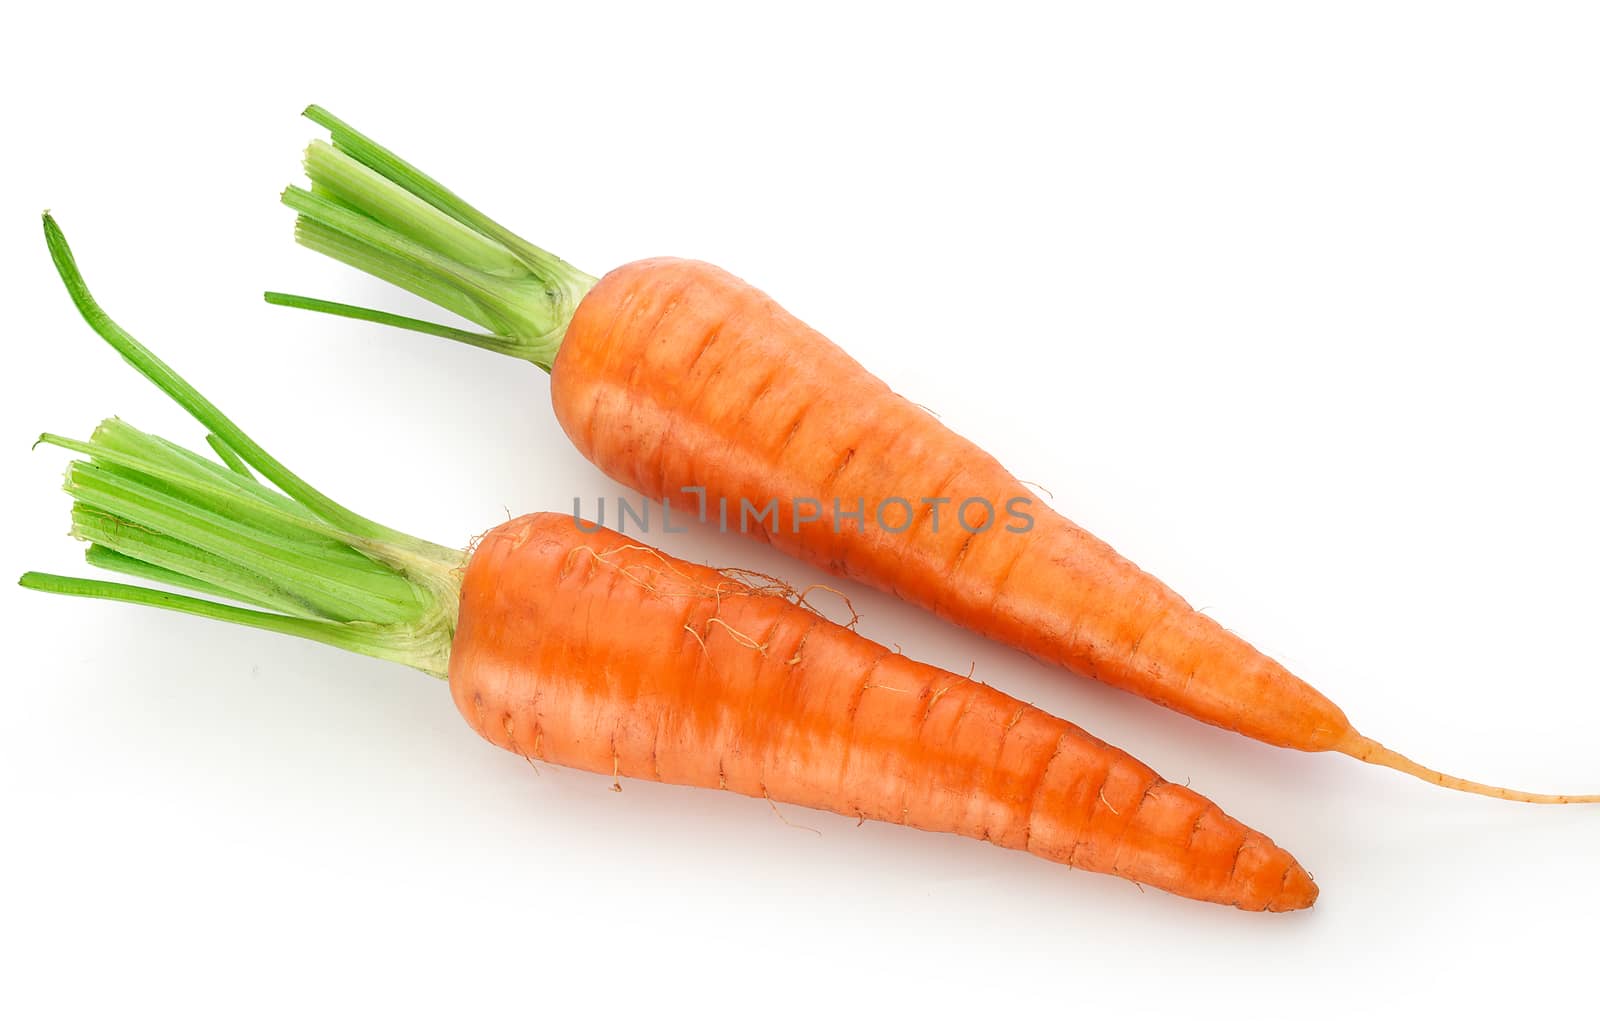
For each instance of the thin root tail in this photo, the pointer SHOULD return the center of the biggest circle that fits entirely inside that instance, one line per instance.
(1368, 750)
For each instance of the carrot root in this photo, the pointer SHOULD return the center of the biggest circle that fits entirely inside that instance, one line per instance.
(1368, 750)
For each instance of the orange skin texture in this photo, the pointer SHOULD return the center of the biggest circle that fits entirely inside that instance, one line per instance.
(675, 374)
(585, 649)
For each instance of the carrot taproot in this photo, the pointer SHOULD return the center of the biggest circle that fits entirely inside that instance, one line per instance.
(709, 682)
(572, 644)
(682, 381)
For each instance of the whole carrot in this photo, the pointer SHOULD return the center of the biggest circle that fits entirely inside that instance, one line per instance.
(689, 385)
(573, 645)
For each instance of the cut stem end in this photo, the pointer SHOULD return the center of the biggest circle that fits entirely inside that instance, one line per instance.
(372, 210)
(303, 564)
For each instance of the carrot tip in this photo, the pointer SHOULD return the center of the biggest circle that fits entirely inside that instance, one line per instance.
(1299, 891)
(1368, 750)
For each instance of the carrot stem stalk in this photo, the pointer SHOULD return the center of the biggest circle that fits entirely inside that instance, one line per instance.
(108, 559)
(307, 565)
(372, 210)
(229, 456)
(365, 641)
(487, 341)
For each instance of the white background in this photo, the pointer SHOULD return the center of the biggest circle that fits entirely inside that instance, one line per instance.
(1296, 305)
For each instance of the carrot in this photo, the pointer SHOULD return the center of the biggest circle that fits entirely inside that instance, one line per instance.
(572, 644)
(680, 380)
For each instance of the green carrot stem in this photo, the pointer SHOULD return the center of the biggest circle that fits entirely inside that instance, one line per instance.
(386, 163)
(238, 498)
(180, 559)
(230, 457)
(190, 399)
(151, 509)
(110, 560)
(345, 179)
(487, 341)
(327, 588)
(487, 297)
(368, 642)
(386, 263)
(372, 210)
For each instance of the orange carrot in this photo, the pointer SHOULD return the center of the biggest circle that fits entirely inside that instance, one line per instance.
(689, 385)
(573, 645)
(708, 681)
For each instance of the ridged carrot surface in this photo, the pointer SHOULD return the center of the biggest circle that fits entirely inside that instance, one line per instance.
(592, 651)
(675, 374)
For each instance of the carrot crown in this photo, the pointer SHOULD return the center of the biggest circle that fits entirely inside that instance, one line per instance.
(300, 563)
(372, 210)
